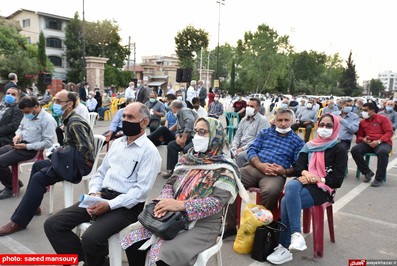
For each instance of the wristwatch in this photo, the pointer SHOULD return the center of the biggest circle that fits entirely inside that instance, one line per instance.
(323, 179)
(379, 142)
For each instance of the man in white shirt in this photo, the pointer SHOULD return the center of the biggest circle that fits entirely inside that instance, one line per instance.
(125, 178)
(191, 91)
(36, 132)
(130, 91)
(197, 108)
(91, 102)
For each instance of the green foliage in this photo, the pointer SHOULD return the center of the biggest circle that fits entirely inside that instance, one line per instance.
(261, 58)
(73, 42)
(119, 78)
(188, 43)
(376, 87)
(348, 81)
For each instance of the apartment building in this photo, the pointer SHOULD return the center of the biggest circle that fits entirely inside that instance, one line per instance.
(53, 28)
(389, 80)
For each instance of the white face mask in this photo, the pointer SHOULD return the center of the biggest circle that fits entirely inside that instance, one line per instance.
(283, 130)
(200, 143)
(365, 115)
(324, 133)
(179, 98)
(309, 105)
(250, 111)
(216, 99)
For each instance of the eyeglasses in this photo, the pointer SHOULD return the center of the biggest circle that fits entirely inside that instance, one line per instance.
(201, 132)
(59, 101)
(327, 125)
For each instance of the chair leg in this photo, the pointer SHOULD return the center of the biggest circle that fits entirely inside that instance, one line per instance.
(15, 185)
(318, 230)
(306, 220)
(115, 252)
(68, 193)
(51, 197)
(219, 257)
(331, 223)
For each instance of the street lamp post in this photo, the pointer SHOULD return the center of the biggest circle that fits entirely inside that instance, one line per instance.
(83, 74)
(220, 2)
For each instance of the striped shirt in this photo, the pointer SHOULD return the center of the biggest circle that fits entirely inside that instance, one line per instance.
(130, 169)
(272, 147)
(78, 134)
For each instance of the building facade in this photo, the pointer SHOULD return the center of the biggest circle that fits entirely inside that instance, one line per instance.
(53, 28)
(389, 80)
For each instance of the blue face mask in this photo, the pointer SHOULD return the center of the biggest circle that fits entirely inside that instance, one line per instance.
(284, 105)
(30, 116)
(347, 109)
(152, 100)
(389, 108)
(57, 109)
(9, 99)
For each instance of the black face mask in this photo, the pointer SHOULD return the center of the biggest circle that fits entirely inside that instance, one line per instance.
(131, 129)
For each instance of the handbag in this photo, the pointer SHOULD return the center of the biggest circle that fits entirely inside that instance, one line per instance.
(68, 163)
(166, 227)
(266, 240)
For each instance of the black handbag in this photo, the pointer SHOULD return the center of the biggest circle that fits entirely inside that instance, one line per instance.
(166, 227)
(68, 163)
(266, 240)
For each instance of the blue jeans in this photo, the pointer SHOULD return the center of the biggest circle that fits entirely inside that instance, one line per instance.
(296, 198)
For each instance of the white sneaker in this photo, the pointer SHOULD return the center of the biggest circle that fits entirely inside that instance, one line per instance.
(280, 255)
(298, 242)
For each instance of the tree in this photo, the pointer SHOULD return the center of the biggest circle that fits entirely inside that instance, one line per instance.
(261, 58)
(376, 87)
(73, 42)
(348, 81)
(188, 43)
(42, 60)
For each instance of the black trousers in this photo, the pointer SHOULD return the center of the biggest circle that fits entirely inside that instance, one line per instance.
(34, 194)
(382, 152)
(161, 135)
(154, 124)
(92, 248)
(172, 152)
(308, 128)
(137, 257)
(345, 144)
(10, 156)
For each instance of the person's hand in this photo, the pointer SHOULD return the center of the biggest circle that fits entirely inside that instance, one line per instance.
(20, 146)
(373, 144)
(16, 139)
(165, 205)
(278, 169)
(98, 208)
(267, 169)
(108, 136)
(304, 180)
(239, 150)
(181, 141)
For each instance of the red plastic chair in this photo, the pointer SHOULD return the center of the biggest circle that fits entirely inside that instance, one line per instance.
(14, 171)
(316, 215)
(276, 212)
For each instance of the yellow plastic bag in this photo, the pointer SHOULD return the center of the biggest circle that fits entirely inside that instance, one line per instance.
(249, 222)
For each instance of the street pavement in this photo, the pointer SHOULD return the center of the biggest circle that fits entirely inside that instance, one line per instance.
(365, 221)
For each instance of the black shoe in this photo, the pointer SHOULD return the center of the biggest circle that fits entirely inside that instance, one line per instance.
(168, 174)
(376, 183)
(368, 176)
(229, 232)
(20, 184)
(6, 193)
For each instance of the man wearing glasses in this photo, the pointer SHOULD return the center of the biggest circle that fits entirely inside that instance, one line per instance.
(349, 122)
(78, 134)
(374, 135)
(124, 179)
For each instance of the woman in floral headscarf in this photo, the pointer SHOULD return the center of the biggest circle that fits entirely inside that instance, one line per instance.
(204, 181)
(320, 169)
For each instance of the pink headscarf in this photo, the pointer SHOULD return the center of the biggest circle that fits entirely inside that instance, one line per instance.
(316, 149)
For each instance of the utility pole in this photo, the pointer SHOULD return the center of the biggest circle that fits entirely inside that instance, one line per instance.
(83, 74)
(129, 52)
(220, 2)
(134, 59)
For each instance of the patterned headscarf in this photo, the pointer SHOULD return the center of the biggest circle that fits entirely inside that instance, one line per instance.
(199, 173)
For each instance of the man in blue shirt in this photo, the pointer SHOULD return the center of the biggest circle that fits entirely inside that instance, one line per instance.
(349, 122)
(272, 156)
(306, 119)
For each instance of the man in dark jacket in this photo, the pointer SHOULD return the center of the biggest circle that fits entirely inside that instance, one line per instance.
(10, 116)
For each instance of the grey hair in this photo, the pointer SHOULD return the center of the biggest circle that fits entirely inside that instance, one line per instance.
(144, 111)
(281, 111)
(345, 100)
(12, 76)
(176, 104)
(193, 83)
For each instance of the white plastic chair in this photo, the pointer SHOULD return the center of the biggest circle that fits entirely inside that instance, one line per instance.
(68, 187)
(204, 256)
(93, 117)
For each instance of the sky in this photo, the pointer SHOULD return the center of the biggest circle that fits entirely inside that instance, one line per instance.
(366, 28)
